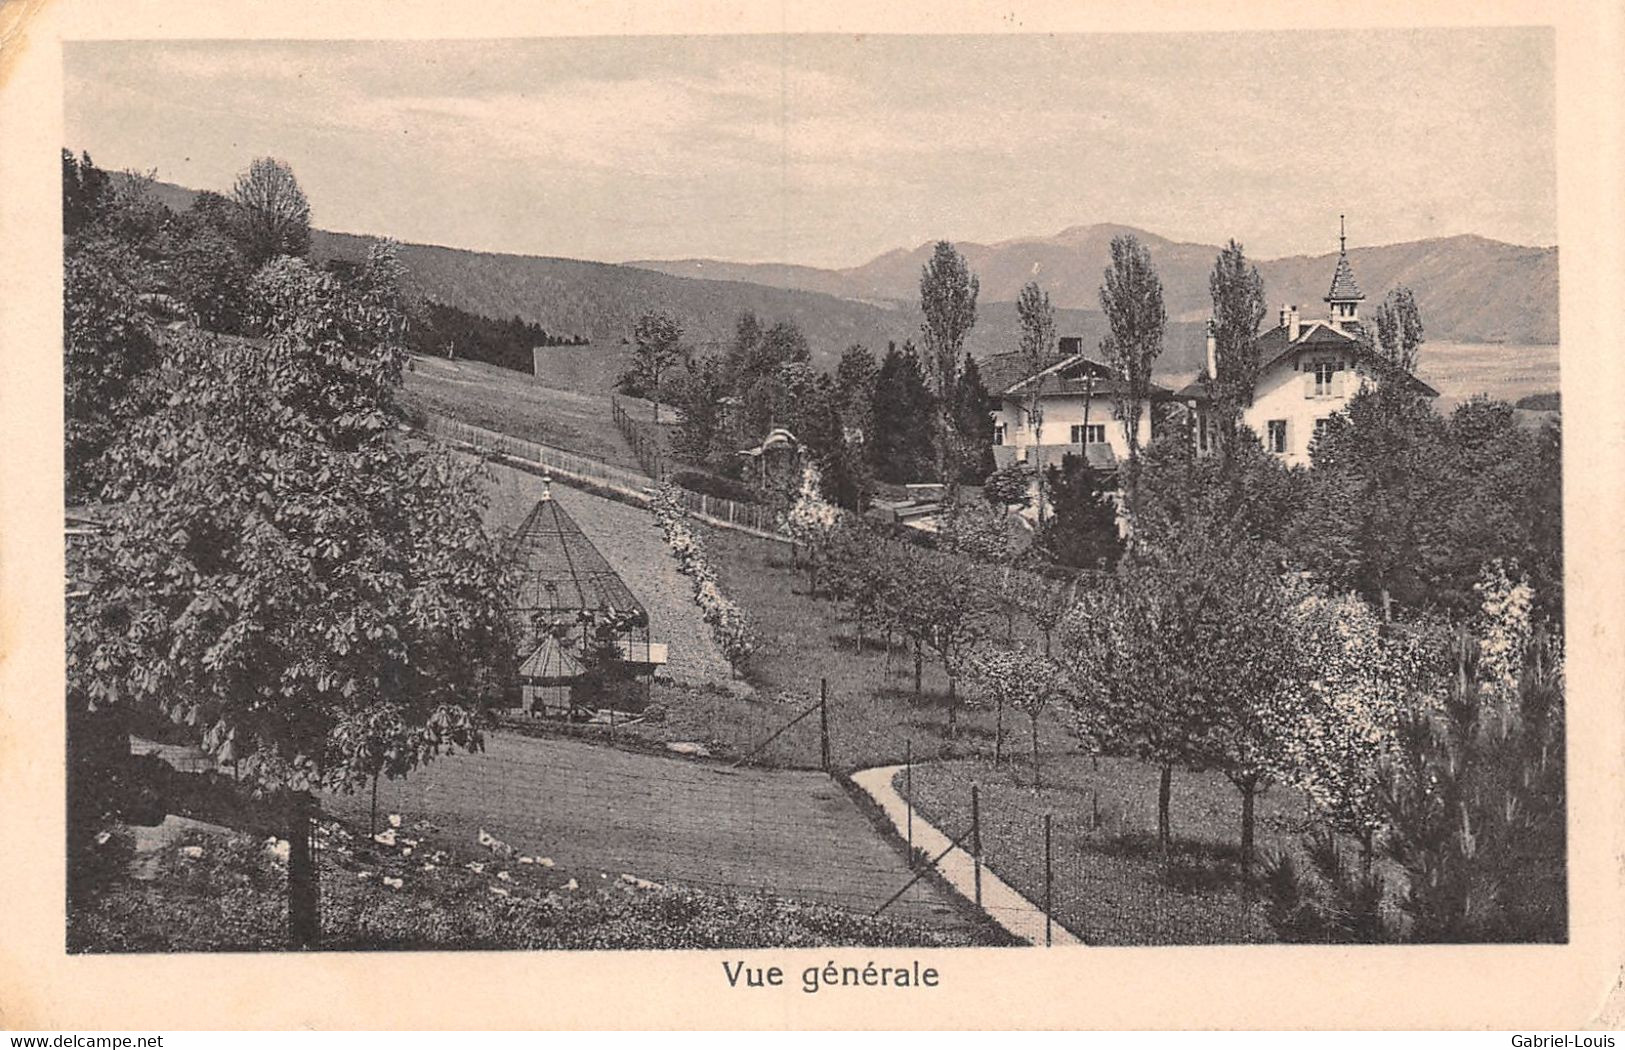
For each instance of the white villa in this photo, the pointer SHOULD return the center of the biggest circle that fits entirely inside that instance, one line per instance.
(1078, 414)
(1309, 369)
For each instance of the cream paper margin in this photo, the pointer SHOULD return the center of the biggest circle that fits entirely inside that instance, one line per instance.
(1525, 987)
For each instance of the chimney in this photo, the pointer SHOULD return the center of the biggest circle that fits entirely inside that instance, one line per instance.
(1212, 351)
(1291, 322)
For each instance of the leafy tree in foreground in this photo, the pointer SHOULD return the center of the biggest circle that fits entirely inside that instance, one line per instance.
(315, 599)
(1474, 805)
(1016, 676)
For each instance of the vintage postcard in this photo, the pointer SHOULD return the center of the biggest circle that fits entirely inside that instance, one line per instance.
(1040, 518)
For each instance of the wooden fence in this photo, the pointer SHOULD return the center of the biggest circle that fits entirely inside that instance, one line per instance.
(567, 467)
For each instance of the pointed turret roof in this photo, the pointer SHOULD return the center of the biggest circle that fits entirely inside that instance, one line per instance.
(1344, 287)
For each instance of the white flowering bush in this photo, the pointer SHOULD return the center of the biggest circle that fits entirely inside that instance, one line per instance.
(1347, 717)
(1504, 627)
(729, 625)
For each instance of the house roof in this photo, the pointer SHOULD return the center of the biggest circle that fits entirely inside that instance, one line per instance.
(1343, 284)
(1078, 374)
(1274, 347)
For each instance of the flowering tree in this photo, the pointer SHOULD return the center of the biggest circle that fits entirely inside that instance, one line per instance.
(1472, 798)
(811, 521)
(1343, 728)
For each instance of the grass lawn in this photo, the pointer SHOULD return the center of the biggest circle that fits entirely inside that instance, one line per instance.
(1109, 887)
(434, 888)
(874, 714)
(515, 403)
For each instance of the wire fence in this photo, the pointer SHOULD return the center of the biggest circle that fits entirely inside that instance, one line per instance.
(643, 438)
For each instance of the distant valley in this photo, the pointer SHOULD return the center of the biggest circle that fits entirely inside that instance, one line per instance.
(1471, 291)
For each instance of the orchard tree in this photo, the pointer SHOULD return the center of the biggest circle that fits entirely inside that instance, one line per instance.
(1238, 309)
(275, 214)
(948, 300)
(1018, 677)
(1131, 298)
(315, 599)
(952, 609)
(811, 523)
(1008, 487)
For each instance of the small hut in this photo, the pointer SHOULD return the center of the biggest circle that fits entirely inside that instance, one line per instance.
(566, 590)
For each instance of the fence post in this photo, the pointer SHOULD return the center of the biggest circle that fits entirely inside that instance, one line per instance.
(1049, 883)
(976, 839)
(908, 792)
(823, 720)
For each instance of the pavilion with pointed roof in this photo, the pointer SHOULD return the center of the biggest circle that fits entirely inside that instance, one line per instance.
(564, 587)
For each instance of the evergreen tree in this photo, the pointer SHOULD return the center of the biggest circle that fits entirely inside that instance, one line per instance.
(1082, 529)
(973, 424)
(901, 449)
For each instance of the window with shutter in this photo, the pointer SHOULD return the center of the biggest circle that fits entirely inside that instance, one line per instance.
(1309, 384)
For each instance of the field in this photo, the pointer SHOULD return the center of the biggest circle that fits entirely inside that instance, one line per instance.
(1501, 370)
(606, 812)
(514, 403)
(1109, 886)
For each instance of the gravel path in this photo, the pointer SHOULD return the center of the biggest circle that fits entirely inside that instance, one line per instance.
(633, 546)
(1018, 915)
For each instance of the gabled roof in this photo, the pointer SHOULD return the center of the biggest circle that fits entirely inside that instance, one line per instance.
(1274, 347)
(1343, 284)
(1078, 374)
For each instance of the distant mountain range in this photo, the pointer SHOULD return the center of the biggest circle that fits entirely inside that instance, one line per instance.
(1470, 290)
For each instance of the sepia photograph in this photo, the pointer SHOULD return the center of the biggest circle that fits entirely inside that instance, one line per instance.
(813, 491)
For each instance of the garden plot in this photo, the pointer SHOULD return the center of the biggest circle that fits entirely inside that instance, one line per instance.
(791, 834)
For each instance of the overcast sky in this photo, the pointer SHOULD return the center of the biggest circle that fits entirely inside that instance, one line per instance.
(828, 150)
